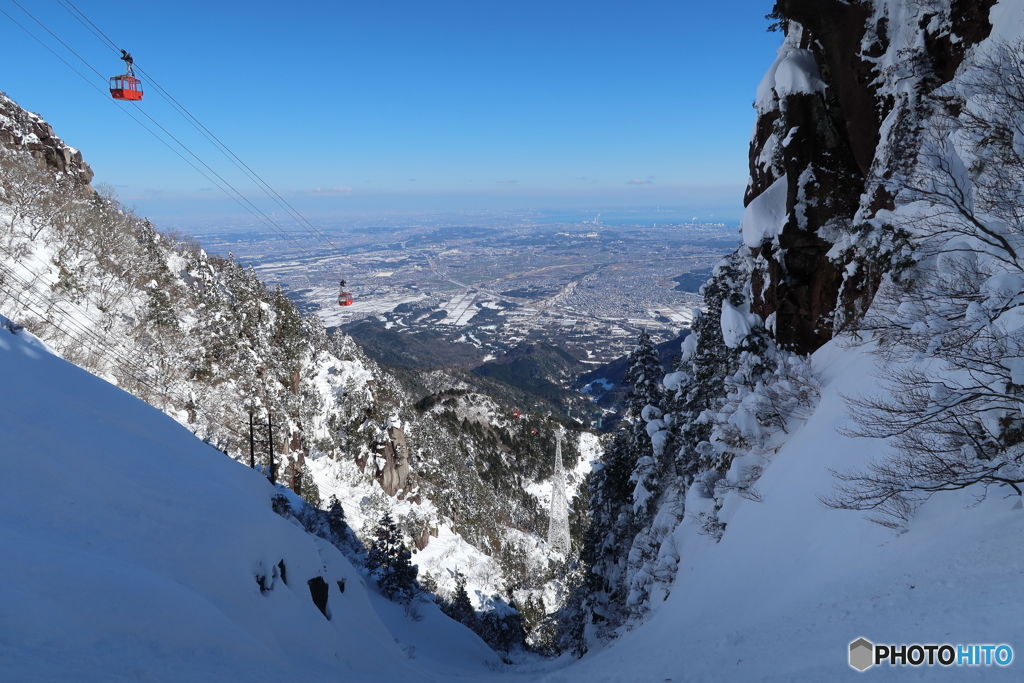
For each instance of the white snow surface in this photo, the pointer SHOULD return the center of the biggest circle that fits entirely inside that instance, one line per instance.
(794, 72)
(737, 324)
(792, 582)
(129, 548)
(130, 551)
(798, 74)
(765, 216)
(765, 100)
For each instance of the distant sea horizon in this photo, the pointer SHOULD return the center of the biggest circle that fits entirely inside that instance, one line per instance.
(197, 224)
(635, 216)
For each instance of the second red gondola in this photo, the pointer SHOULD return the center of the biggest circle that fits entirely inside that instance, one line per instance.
(344, 298)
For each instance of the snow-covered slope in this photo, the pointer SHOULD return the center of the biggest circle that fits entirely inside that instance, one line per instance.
(131, 551)
(792, 583)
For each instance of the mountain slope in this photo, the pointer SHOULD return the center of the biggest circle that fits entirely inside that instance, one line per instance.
(792, 583)
(131, 549)
(204, 340)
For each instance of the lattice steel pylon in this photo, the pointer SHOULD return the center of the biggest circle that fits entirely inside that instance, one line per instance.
(558, 529)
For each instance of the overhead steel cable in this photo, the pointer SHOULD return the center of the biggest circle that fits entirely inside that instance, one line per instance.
(206, 132)
(88, 334)
(128, 366)
(80, 333)
(238, 197)
(85, 335)
(105, 97)
(96, 30)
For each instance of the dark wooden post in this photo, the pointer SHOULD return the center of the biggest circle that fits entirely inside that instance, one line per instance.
(270, 442)
(252, 446)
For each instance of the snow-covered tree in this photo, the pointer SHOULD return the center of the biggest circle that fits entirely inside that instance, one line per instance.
(202, 338)
(624, 491)
(698, 383)
(335, 517)
(390, 562)
(611, 529)
(644, 403)
(947, 317)
(460, 607)
(303, 484)
(643, 375)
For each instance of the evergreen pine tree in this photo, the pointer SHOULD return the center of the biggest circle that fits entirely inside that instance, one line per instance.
(708, 363)
(612, 529)
(460, 608)
(305, 486)
(279, 503)
(389, 562)
(701, 372)
(336, 519)
(624, 491)
(644, 376)
(503, 632)
(645, 373)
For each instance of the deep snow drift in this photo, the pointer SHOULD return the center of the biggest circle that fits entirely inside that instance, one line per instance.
(792, 582)
(130, 551)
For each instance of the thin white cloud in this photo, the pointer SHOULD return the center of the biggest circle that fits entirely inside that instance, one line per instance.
(327, 191)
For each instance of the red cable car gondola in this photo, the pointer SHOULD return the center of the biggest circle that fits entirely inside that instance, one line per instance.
(126, 86)
(344, 298)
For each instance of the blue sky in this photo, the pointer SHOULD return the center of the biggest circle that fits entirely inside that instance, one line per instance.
(399, 105)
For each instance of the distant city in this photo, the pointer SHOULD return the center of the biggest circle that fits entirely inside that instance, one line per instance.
(587, 287)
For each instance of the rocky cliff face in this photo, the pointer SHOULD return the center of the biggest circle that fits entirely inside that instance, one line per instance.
(838, 113)
(20, 129)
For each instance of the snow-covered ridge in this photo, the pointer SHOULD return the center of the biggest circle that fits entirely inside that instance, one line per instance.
(132, 549)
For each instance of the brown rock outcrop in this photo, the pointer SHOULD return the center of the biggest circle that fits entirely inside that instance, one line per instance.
(827, 145)
(20, 129)
(392, 469)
